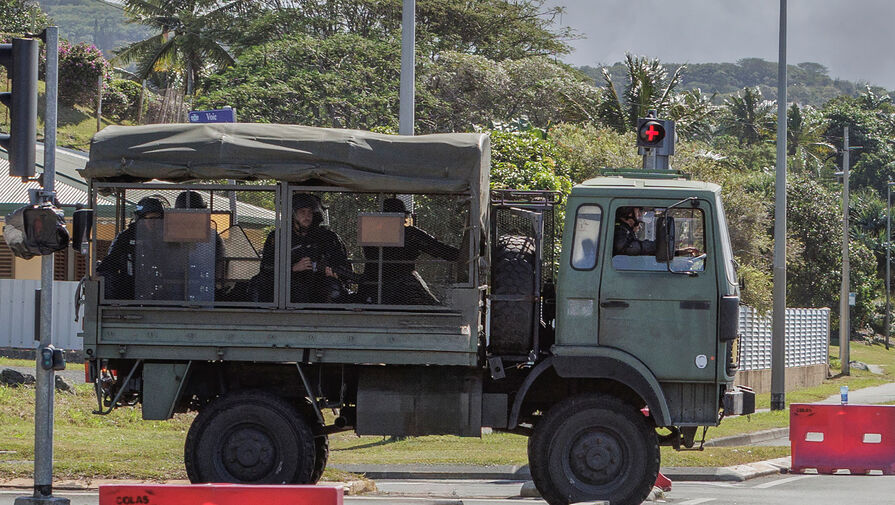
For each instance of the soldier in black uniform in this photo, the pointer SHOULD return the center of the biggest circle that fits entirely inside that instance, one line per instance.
(625, 242)
(117, 268)
(627, 223)
(319, 260)
(401, 283)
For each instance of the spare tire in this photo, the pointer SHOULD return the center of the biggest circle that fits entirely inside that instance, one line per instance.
(513, 274)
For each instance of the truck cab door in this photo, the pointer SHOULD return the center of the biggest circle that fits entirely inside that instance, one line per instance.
(666, 318)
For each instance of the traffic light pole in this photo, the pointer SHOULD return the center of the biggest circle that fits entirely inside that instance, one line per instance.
(45, 376)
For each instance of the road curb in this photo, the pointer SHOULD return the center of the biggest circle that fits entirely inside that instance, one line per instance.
(352, 487)
(736, 473)
(748, 438)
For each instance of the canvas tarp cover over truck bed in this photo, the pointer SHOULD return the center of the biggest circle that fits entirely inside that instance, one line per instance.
(353, 159)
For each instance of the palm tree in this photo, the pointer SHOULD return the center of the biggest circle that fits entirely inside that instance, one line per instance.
(693, 114)
(748, 116)
(867, 219)
(805, 129)
(186, 42)
(649, 87)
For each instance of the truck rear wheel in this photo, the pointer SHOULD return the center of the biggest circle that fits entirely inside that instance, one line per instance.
(321, 455)
(594, 447)
(513, 274)
(250, 437)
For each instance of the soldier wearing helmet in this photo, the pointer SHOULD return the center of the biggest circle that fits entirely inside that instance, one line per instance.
(401, 283)
(318, 256)
(117, 268)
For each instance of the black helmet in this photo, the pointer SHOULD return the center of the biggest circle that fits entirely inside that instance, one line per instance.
(308, 201)
(189, 200)
(149, 205)
(394, 205)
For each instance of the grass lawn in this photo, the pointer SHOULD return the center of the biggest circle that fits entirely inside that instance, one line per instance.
(5, 362)
(122, 445)
(75, 125)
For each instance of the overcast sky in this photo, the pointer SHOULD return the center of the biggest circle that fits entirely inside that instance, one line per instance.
(853, 38)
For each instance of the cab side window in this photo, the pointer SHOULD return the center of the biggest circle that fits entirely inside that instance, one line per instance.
(635, 239)
(586, 237)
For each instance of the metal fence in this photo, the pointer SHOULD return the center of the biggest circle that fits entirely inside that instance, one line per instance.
(807, 333)
(17, 314)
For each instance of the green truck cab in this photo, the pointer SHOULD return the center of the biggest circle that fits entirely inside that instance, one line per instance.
(586, 350)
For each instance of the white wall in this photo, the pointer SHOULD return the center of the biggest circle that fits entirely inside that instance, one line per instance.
(17, 314)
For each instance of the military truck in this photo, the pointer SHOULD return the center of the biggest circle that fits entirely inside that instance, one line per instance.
(534, 325)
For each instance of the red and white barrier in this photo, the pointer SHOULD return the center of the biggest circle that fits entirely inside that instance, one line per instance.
(218, 494)
(828, 438)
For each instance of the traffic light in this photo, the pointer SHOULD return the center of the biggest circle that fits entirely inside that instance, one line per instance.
(20, 59)
(656, 134)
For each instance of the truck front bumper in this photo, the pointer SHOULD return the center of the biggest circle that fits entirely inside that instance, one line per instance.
(739, 401)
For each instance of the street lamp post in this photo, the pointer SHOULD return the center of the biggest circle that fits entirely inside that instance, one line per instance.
(888, 257)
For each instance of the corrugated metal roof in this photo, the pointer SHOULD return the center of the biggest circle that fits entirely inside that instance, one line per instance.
(14, 191)
(72, 189)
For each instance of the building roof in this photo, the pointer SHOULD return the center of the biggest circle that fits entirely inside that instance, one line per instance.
(71, 189)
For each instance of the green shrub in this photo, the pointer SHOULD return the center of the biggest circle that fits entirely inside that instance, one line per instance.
(80, 68)
(121, 100)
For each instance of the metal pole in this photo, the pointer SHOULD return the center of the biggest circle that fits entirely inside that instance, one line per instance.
(778, 339)
(888, 257)
(843, 293)
(408, 68)
(99, 103)
(46, 379)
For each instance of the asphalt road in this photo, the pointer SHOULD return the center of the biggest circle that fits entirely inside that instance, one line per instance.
(774, 490)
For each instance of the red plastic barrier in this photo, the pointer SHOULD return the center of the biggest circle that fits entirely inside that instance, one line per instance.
(218, 494)
(663, 483)
(857, 438)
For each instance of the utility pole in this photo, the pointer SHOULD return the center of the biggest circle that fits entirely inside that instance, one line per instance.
(45, 388)
(843, 293)
(778, 323)
(408, 68)
(888, 258)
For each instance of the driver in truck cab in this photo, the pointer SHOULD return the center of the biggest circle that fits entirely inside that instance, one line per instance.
(627, 223)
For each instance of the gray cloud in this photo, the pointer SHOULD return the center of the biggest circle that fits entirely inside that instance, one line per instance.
(850, 37)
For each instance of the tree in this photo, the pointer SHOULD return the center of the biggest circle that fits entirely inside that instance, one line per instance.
(461, 91)
(20, 16)
(869, 126)
(748, 117)
(186, 42)
(694, 114)
(805, 143)
(494, 29)
(649, 87)
(526, 159)
(344, 81)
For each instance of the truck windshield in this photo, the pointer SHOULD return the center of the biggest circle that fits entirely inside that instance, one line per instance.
(729, 264)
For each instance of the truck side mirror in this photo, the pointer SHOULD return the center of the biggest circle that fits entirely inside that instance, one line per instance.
(665, 239)
(81, 225)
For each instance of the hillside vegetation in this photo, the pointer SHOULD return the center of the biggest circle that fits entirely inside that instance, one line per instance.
(808, 83)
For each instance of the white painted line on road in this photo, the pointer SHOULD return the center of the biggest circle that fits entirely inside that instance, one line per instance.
(697, 501)
(773, 483)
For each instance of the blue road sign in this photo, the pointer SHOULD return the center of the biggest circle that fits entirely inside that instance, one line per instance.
(213, 116)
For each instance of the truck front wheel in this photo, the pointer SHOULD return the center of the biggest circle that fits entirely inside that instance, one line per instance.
(594, 447)
(250, 437)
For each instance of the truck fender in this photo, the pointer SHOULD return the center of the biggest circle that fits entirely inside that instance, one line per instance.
(629, 372)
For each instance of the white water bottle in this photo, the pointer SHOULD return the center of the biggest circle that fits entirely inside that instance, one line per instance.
(843, 395)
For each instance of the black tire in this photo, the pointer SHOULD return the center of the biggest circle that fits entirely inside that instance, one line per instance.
(321, 455)
(513, 273)
(250, 437)
(594, 447)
